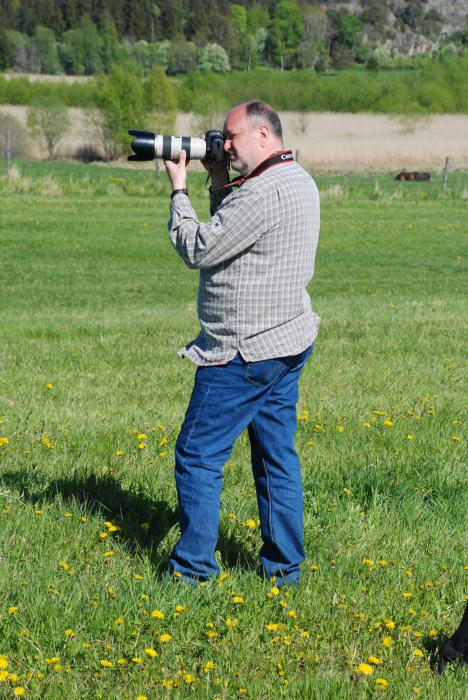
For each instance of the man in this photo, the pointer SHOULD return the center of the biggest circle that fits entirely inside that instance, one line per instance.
(256, 256)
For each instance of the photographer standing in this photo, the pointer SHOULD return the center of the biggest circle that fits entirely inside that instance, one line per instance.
(256, 256)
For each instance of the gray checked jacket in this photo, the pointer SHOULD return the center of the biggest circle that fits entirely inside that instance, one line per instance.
(255, 256)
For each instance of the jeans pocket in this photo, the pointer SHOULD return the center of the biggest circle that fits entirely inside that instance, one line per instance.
(265, 372)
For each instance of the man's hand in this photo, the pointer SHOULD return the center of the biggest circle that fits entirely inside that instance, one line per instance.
(177, 171)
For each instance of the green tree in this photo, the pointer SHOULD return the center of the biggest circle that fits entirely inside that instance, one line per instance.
(285, 33)
(6, 51)
(81, 49)
(111, 50)
(214, 58)
(121, 99)
(49, 120)
(161, 100)
(346, 38)
(46, 52)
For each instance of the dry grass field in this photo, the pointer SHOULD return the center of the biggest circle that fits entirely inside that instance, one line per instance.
(328, 141)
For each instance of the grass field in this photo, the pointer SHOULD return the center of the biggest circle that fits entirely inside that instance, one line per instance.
(95, 304)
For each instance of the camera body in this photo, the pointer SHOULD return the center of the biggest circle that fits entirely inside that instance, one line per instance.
(146, 146)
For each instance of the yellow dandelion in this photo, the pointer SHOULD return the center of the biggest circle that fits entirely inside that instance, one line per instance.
(407, 594)
(387, 641)
(3, 662)
(151, 652)
(121, 662)
(292, 613)
(119, 453)
(164, 638)
(433, 634)
(417, 652)
(340, 428)
(237, 599)
(136, 660)
(69, 633)
(4, 676)
(376, 660)
(272, 626)
(141, 445)
(250, 523)
(314, 567)
(180, 608)
(120, 621)
(189, 679)
(106, 664)
(274, 590)
(158, 614)
(410, 436)
(108, 554)
(367, 425)
(456, 438)
(209, 666)
(381, 683)
(141, 697)
(19, 690)
(389, 624)
(364, 670)
(387, 423)
(141, 436)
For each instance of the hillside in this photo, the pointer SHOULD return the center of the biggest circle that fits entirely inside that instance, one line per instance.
(79, 37)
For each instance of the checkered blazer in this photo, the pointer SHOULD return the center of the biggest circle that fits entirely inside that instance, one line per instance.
(255, 256)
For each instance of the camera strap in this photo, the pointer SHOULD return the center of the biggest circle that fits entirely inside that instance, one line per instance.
(275, 159)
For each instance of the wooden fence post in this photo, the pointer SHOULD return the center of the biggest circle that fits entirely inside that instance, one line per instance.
(444, 181)
(8, 150)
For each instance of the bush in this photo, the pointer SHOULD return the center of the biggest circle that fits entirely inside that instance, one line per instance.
(19, 139)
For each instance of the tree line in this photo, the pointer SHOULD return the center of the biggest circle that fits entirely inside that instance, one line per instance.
(87, 37)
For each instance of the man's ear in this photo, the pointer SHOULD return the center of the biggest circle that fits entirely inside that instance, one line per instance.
(264, 132)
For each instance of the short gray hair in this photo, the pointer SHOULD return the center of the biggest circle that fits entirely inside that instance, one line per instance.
(256, 110)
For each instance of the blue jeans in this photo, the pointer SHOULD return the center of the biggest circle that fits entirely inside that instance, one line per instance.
(260, 396)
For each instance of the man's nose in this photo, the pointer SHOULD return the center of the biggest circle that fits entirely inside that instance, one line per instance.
(227, 144)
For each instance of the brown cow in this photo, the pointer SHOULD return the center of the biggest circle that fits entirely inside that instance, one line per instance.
(413, 175)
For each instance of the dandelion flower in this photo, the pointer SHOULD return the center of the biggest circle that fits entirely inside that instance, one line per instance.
(19, 690)
(4, 676)
(387, 423)
(387, 641)
(364, 670)
(389, 624)
(381, 683)
(272, 626)
(180, 608)
(209, 666)
(3, 662)
(69, 633)
(314, 567)
(275, 590)
(189, 679)
(151, 652)
(250, 523)
(164, 638)
(237, 599)
(106, 664)
(158, 614)
(417, 652)
(119, 621)
(376, 660)
(407, 594)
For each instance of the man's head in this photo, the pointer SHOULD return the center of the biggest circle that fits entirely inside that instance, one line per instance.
(253, 132)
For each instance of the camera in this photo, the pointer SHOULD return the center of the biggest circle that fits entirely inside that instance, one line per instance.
(147, 146)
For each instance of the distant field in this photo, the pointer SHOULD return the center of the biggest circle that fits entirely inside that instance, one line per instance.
(325, 141)
(94, 305)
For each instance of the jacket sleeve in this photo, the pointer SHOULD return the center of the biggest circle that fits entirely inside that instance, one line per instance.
(237, 224)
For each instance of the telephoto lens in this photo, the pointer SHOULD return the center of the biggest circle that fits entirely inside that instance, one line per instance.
(147, 146)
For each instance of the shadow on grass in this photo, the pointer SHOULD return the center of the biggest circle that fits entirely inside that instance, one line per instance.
(143, 523)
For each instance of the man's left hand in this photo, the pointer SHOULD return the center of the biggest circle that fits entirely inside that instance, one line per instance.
(177, 171)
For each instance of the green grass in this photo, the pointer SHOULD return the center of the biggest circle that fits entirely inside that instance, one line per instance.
(95, 303)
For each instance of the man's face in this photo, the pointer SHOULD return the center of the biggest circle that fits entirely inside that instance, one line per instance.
(241, 141)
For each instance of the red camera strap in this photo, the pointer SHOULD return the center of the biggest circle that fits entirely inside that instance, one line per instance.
(275, 159)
